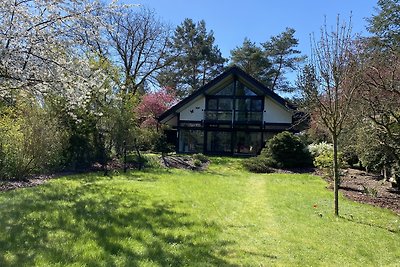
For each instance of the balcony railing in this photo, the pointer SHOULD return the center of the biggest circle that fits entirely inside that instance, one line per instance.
(218, 115)
(240, 116)
(248, 116)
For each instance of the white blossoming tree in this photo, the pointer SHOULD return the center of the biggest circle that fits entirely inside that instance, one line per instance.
(42, 49)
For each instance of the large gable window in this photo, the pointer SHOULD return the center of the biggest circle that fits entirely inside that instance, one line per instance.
(242, 90)
(227, 90)
(234, 102)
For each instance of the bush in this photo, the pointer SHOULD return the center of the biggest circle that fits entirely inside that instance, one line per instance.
(349, 156)
(202, 158)
(324, 161)
(197, 163)
(29, 143)
(161, 145)
(259, 164)
(144, 160)
(323, 155)
(287, 151)
(320, 148)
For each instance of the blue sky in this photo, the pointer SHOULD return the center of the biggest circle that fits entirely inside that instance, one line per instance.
(258, 20)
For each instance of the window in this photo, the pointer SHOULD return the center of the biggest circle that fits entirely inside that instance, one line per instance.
(225, 104)
(256, 104)
(247, 143)
(219, 104)
(191, 141)
(212, 104)
(249, 104)
(242, 90)
(218, 141)
(228, 90)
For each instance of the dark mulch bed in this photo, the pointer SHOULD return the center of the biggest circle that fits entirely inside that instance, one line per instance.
(28, 182)
(41, 179)
(369, 188)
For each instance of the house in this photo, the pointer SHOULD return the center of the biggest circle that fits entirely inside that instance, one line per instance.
(234, 114)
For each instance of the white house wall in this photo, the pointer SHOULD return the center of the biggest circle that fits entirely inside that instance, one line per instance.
(276, 113)
(194, 111)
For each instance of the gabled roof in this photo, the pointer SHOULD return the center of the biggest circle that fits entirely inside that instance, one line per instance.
(231, 71)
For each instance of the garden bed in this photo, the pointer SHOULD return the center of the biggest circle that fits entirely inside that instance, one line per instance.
(369, 188)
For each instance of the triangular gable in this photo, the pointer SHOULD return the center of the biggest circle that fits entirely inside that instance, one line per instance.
(230, 72)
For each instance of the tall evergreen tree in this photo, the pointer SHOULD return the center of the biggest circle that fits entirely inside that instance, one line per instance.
(251, 58)
(282, 53)
(194, 57)
(385, 25)
(269, 62)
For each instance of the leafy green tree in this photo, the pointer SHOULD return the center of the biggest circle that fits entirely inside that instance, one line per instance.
(194, 57)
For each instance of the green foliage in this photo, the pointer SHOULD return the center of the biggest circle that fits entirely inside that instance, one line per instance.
(323, 156)
(270, 62)
(201, 157)
(284, 150)
(251, 58)
(12, 156)
(320, 148)
(144, 160)
(259, 164)
(324, 160)
(287, 151)
(30, 142)
(349, 155)
(161, 144)
(282, 53)
(197, 162)
(385, 24)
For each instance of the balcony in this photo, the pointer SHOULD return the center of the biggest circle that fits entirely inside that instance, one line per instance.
(218, 115)
(249, 116)
(246, 117)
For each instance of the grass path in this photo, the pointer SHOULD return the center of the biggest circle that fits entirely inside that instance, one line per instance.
(221, 217)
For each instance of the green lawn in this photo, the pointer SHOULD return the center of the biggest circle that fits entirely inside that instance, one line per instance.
(223, 216)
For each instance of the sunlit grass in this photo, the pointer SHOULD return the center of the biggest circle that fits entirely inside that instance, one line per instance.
(224, 216)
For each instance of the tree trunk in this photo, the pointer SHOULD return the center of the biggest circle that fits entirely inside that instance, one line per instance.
(125, 158)
(336, 173)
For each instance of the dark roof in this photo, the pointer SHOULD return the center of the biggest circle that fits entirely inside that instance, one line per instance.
(234, 70)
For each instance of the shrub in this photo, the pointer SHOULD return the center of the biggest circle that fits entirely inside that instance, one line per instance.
(287, 151)
(259, 164)
(29, 144)
(320, 148)
(202, 158)
(324, 161)
(323, 155)
(144, 160)
(349, 156)
(161, 145)
(197, 163)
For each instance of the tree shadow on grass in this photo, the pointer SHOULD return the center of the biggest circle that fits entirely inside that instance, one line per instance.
(88, 225)
(353, 220)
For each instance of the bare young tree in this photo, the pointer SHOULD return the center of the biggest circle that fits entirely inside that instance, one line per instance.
(139, 41)
(329, 83)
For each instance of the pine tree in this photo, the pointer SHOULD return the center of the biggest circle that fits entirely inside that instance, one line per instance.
(194, 57)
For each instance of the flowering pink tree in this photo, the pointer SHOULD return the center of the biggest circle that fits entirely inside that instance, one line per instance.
(153, 104)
